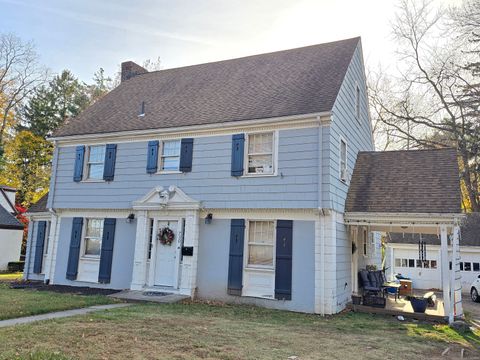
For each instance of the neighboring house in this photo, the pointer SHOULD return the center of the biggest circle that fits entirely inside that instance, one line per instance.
(11, 230)
(247, 163)
(403, 253)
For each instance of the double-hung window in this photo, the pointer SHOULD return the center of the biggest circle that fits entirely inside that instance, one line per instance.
(170, 157)
(95, 163)
(261, 236)
(93, 237)
(260, 153)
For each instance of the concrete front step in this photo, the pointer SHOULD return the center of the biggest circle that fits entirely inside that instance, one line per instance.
(149, 296)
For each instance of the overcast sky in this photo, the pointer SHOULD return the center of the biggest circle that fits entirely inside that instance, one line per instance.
(83, 35)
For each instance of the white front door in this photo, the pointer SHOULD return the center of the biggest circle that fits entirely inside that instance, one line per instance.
(166, 257)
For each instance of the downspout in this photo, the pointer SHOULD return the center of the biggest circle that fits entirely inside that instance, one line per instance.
(322, 214)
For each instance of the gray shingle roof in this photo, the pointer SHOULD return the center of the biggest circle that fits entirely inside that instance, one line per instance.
(40, 205)
(470, 234)
(291, 82)
(8, 221)
(415, 181)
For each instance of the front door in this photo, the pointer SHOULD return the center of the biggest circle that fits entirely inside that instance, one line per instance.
(166, 256)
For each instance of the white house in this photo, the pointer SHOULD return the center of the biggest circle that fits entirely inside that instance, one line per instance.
(403, 256)
(11, 230)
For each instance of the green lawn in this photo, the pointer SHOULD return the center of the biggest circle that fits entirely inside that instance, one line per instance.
(196, 330)
(10, 276)
(19, 302)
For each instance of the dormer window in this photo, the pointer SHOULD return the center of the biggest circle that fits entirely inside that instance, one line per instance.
(142, 109)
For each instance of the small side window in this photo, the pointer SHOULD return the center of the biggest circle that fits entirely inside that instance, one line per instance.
(476, 266)
(357, 102)
(343, 161)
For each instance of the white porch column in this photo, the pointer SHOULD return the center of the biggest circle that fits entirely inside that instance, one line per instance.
(141, 253)
(445, 272)
(392, 262)
(188, 283)
(326, 264)
(456, 275)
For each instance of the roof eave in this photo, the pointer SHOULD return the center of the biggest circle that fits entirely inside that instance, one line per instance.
(324, 117)
(366, 218)
(12, 227)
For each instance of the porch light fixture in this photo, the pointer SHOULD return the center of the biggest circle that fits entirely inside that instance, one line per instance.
(208, 219)
(130, 218)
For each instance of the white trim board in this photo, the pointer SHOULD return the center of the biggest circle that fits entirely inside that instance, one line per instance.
(233, 127)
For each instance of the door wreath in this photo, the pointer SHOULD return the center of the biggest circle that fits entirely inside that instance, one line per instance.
(166, 236)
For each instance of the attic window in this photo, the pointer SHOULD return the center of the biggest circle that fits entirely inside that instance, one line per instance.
(142, 109)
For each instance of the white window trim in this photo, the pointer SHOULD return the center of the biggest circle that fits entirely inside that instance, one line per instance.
(342, 139)
(85, 177)
(357, 102)
(266, 268)
(159, 159)
(274, 154)
(83, 244)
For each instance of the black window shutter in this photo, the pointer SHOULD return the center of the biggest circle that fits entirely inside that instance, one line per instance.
(283, 265)
(74, 254)
(186, 154)
(152, 157)
(238, 142)
(235, 264)
(78, 170)
(109, 166)
(107, 251)
(38, 260)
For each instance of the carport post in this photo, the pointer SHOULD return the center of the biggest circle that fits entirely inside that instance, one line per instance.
(445, 273)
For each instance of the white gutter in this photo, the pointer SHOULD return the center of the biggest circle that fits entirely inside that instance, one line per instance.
(401, 219)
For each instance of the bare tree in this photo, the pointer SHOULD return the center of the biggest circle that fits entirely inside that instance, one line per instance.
(426, 104)
(20, 73)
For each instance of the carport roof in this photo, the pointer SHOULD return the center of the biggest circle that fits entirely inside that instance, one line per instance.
(407, 181)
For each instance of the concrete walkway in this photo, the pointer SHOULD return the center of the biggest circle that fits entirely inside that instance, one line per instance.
(59, 314)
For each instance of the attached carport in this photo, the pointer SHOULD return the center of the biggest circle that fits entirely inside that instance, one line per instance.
(416, 191)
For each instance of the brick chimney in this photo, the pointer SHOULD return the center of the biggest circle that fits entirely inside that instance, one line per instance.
(131, 69)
